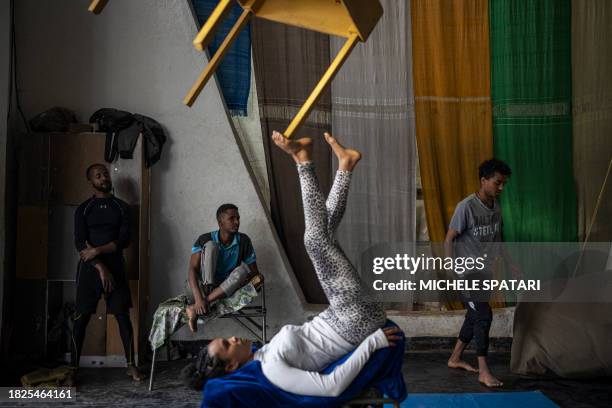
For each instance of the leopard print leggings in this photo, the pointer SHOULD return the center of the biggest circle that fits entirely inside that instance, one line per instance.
(348, 313)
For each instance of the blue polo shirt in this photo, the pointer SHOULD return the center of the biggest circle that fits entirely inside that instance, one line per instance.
(228, 255)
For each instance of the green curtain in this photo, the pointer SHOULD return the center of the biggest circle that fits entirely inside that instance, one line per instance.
(531, 88)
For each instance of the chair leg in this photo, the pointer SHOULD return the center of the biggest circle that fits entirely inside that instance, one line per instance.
(210, 26)
(325, 80)
(216, 59)
(152, 371)
(96, 6)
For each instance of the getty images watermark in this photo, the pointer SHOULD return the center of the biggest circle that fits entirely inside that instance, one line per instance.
(459, 265)
(535, 272)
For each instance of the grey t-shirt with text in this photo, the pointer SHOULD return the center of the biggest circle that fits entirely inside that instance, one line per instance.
(478, 226)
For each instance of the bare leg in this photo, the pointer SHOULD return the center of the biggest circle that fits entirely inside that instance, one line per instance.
(456, 361)
(239, 277)
(485, 377)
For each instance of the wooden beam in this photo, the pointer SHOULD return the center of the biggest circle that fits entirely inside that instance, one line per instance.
(144, 249)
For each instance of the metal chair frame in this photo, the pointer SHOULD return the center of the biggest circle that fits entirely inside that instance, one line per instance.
(245, 317)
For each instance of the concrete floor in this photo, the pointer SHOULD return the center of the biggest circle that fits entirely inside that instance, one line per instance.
(425, 372)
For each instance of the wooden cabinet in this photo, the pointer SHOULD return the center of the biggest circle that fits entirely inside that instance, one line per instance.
(52, 183)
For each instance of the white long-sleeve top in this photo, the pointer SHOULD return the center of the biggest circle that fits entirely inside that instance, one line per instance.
(293, 358)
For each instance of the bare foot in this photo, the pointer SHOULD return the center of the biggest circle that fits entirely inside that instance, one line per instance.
(136, 375)
(487, 379)
(299, 149)
(257, 281)
(192, 318)
(462, 365)
(347, 158)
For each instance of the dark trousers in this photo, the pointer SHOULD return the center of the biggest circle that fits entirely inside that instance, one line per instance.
(126, 332)
(476, 326)
(118, 303)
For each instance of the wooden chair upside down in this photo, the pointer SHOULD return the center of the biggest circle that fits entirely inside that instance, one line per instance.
(351, 19)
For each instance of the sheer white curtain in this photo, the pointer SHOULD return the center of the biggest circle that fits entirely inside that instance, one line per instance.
(373, 111)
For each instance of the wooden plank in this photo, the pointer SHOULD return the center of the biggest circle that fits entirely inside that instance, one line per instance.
(32, 236)
(63, 257)
(33, 169)
(70, 155)
(143, 253)
(96, 6)
(95, 338)
(325, 16)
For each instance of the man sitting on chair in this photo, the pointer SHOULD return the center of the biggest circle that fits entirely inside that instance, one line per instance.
(222, 262)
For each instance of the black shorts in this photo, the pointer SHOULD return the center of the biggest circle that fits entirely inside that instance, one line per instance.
(89, 288)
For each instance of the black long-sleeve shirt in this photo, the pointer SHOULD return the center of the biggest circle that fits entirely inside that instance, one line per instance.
(100, 221)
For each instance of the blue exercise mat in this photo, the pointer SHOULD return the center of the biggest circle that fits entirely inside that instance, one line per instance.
(530, 399)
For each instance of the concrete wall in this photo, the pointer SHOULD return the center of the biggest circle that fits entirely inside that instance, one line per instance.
(249, 130)
(4, 87)
(138, 56)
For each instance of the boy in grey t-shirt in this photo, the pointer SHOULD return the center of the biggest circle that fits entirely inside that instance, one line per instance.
(477, 221)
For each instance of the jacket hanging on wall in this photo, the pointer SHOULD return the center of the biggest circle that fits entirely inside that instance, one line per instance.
(122, 131)
(111, 121)
(154, 137)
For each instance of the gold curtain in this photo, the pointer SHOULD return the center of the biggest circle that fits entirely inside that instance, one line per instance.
(452, 103)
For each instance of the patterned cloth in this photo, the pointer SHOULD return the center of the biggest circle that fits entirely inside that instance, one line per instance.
(170, 314)
(234, 72)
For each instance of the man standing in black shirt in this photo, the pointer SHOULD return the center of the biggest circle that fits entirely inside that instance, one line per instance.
(101, 232)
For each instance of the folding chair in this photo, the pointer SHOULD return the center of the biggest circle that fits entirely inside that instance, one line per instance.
(246, 317)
